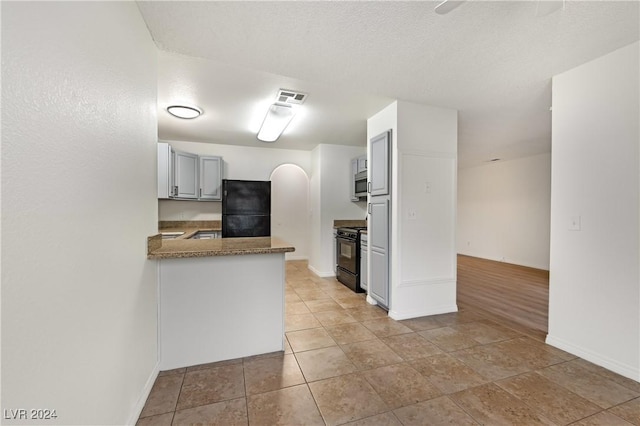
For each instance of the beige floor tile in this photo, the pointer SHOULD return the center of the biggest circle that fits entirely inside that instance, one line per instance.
(267, 374)
(312, 338)
(548, 398)
(300, 322)
(370, 354)
(287, 347)
(350, 333)
(205, 387)
(447, 373)
(331, 318)
(289, 406)
(323, 305)
(489, 362)
(435, 412)
(603, 418)
(228, 413)
(296, 308)
(411, 346)
(384, 419)
(488, 404)
(366, 312)
(449, 339)
(324, 363)
(422, 323)
(630, 411)
(529, 352)
(399, 385)
(313, 294)
(159, 420)
(351, 301)
(346, 398)
(457, 317)
(385, 327)
(594, 387)
(163, 396)
(291, 298)
(621, 380)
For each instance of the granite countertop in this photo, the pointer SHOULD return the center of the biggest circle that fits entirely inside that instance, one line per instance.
(342, 223)
(182, 246)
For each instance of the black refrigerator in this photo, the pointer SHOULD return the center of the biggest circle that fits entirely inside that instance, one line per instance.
(246, 208)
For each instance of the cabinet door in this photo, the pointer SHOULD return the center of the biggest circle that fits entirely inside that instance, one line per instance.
(362, 164)
(378, 245)
(363, 266)
(165, 171)
(186, 175)
(352, 175)
(379, 149)
(210, 178)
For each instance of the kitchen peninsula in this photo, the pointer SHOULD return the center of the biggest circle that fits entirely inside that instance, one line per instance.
(219, 299)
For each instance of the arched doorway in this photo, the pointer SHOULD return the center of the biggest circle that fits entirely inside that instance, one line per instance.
(290, 208)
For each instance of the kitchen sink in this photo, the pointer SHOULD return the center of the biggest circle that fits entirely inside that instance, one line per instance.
(205, 235)
(171, 235)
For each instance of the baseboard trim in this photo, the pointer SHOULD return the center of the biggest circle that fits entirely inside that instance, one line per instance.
(628, 371)
(293, 256)
(321, 274)
(433, 310)
(146, 391)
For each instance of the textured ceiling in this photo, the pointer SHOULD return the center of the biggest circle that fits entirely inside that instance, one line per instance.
(492, 61)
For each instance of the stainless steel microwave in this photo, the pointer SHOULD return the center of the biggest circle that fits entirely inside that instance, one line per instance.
(360, 184)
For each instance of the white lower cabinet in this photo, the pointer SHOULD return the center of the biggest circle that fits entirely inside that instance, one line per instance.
(364, 251)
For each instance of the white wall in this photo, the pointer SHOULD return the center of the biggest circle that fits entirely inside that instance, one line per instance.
(504, 211)
(290, 214)
(79, 308)
(423, 254)
(330, 192)
(594, 300)
(240, 162)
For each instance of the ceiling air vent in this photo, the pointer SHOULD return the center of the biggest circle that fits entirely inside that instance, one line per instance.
(291, 97)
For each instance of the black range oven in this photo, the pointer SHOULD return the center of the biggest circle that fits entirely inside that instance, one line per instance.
(348, 257)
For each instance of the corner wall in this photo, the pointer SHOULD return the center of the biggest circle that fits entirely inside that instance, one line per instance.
(504, 211)
(330, 200)
(79, 308)
(594, 295)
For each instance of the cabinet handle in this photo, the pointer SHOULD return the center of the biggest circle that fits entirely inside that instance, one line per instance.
(369, 187)
(200, 196)
(369, 208)
(175, 190)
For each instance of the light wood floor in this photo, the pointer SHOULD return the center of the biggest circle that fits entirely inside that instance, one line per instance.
(516, 293)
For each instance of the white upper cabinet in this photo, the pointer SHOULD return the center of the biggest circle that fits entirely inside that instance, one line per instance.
(186, 175)
(379, 164)
(165, 171)
(210, 178)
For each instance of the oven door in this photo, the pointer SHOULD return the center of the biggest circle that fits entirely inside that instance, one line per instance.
(346, 254)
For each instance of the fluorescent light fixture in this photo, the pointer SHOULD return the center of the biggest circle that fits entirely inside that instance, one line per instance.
(277, 119)
(183, 111)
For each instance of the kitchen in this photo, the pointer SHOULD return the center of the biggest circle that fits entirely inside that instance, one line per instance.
(90, 304)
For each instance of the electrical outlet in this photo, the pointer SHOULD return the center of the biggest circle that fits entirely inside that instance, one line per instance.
(427, 187)
(411, 213)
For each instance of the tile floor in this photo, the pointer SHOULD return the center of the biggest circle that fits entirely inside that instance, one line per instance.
(346, 362)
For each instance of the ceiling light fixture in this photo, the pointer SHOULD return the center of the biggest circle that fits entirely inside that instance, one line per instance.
(277, 119)
(183, 111)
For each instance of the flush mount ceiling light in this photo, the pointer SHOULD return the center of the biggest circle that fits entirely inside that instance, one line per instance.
(277, 119)
(183, 111)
